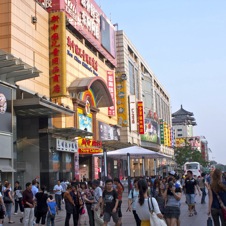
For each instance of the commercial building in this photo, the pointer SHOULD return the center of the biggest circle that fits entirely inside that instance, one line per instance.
(141, 102)
(61, 116)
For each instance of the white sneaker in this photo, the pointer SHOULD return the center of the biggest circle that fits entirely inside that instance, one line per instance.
(15, 213)
(22, 212)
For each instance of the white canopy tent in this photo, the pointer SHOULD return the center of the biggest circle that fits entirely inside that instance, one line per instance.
(131, 152)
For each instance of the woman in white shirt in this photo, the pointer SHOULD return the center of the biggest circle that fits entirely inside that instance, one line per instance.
(142, 207)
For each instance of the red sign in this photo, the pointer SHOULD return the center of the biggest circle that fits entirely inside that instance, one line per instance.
(88, 151)
(81, 53)
(140, 116)
(111, 87)
(85, 17)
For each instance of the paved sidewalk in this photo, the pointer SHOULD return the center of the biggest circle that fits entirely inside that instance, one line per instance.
(128, 220)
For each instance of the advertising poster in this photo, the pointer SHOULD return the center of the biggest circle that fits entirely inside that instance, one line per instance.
(107, 132)
(68, 162)
(151, 129)
(5, 109)
(85, 121)
(76, 165)
(56, 161)
(122, 100)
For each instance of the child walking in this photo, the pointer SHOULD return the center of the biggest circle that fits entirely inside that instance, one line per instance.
(52, 210)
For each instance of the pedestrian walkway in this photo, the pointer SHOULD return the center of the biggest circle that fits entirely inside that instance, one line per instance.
(128, 220)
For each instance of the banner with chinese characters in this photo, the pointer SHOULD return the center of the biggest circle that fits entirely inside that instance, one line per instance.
(66, 145)
(140, 116)
(122, 99)
(111, 87)
(161, 131)
(57, 53)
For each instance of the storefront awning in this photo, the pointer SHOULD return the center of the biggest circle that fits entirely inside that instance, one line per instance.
(37, 106)
(66, 133)
(98, 86)
(115, 144)
(13, 69)
(6, 169)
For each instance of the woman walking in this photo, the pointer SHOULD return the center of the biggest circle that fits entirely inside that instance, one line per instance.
(134, 193)
(83, 216)
(217, 194)
(8, 200)
(2, 210)
(119, 188)
(172, 195)
(142, 206)
(42, 207)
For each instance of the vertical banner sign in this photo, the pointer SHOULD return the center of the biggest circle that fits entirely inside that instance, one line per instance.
(133, 113)
(172, 137)
(57, 53)
(162, 131)
(111, 87)
(140, 115)
(122, 104)
(169, 136)
(165, 134)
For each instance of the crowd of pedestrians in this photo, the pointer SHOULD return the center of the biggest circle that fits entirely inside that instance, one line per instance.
(88, 203)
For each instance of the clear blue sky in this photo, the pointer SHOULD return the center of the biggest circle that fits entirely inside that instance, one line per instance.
(184, 43)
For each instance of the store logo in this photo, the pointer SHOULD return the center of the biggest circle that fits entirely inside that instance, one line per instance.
(3, 103)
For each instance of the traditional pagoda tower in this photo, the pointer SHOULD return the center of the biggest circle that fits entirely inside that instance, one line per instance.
(183, 122)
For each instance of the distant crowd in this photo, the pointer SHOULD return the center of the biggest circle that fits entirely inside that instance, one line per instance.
(153, 199)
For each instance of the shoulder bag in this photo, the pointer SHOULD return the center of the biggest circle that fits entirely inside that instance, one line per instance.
(154, 219)
(223, 208)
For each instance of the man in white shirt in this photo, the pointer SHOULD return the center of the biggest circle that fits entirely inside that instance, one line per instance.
(97, 202)
(58, 194)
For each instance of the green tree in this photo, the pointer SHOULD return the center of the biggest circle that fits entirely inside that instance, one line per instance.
(187, 154)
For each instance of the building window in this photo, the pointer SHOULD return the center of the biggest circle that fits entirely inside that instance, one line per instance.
(179, 135)
(179, 130)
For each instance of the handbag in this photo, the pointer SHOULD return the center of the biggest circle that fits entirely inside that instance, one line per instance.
(223, 208)
(209, 222)
(7, 199)
(154, 219)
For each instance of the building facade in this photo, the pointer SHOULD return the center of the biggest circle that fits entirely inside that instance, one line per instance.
(62, 116)
(141, 102)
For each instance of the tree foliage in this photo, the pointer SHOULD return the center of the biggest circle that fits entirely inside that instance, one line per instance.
(187, 154)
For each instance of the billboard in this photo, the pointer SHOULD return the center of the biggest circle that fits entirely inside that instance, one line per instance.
(5, 109)
(85, 16)
(107, 132)
(151, 131)
(194, 142)
(122, 100)
(107, 35)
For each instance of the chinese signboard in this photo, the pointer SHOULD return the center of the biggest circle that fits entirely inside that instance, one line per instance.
(111, 87)
(89, 146)
(57, 52)
(122, 101)
(161, 131)
(140, 116)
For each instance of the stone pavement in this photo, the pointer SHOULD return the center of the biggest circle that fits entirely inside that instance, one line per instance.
(128, 220)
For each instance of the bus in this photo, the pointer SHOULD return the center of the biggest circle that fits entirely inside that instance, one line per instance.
(195, 167)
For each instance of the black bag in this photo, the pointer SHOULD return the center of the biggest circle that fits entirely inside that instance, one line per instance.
(7, 199)
(209, 222)
(2, 211)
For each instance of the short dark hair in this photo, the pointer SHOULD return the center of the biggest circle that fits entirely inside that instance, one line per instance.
(109, 181)
(28, 184)
(189, 171)
(50, 197)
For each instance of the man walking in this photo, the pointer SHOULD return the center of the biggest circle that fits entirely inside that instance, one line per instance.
(28, 202)
(190, 186)
(110, 204)
(97, 203)
(202, 186)
(58, 194)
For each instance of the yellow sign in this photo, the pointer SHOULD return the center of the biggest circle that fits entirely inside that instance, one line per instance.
(122, 100)
(57, 53)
